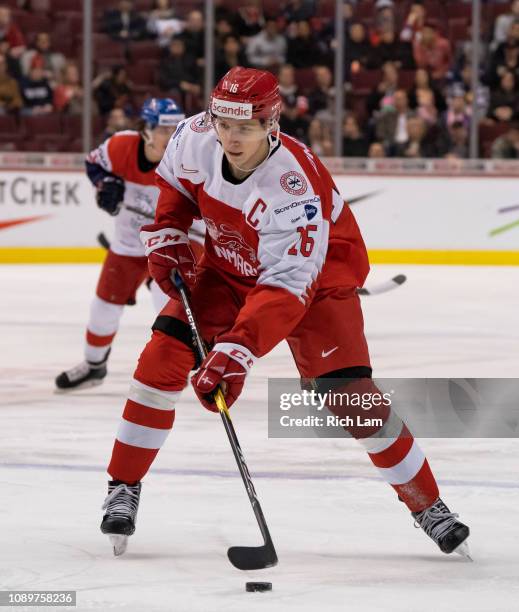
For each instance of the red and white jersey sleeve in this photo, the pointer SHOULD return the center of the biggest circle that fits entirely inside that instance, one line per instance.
(271, 232)
(119, 155)
(177, 206)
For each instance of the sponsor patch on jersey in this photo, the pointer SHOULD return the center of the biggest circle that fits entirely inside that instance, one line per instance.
(310, 211)
(293, 182)
(314, 199)
(199, 125)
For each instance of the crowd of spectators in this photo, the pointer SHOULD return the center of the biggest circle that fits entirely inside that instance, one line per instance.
(407, 73)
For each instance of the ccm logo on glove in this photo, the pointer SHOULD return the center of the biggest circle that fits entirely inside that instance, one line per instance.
(226, 367)
(168, 250)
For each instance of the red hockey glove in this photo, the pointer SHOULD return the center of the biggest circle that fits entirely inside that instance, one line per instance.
(226, 365)
(167, 250)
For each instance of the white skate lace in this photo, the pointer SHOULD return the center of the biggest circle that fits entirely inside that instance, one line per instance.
(436, 521)
(122, 501)
(78, 372)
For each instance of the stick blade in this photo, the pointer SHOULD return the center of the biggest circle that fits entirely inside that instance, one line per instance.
(252, 557)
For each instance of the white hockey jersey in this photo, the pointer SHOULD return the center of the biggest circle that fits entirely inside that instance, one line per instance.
(283, 232)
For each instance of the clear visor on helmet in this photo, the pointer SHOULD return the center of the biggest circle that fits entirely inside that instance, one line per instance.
(241, 129)
(235, 121)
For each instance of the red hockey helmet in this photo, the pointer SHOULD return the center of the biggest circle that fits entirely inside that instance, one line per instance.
(246, 93)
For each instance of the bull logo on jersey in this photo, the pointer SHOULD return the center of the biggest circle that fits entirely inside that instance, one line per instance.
(227, 236)
(294, 182)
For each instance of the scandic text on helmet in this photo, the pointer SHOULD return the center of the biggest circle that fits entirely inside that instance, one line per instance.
(236, 110)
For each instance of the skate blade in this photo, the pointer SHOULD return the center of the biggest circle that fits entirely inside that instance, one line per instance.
(119, 544)
(464, 551)
(86, 385)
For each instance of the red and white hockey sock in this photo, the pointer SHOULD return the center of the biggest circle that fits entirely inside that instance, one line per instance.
(147, 419)
(149, 414)
(101, 329)
(401, 463)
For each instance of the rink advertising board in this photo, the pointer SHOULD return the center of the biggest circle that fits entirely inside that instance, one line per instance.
(409, 211)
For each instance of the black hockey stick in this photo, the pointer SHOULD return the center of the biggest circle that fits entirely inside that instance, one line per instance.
(140, 212)
(395, 282)
(242, 557)
(103, 241)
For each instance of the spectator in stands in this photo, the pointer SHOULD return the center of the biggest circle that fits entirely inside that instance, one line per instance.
(354, 142)
(298, 10)
(458, 110)
(503, 23)
(42, 53)
(267, 50)
(287, 81)
(415, 145)
(414, 22)
(504, 101)
(507, 145)
(383, 93)
(36, 92)
(124, 23)
(162, 22)
(391, 125)
(304, 50)
(292, 121)
(10, 97)
(426, 108)
(229, 55)
(390, 49)
(482, 93)
(319, 138)
(68, 95)
(13, 65)
(357, 50)
(432, 52)
(224, 27)
(249, 19)
(321, 97)
(194, 37)
(384, 18)
(117, 121)
(178, 72)
(504, 58)
(328, 35)
(423, 82)
(459, 141)
(112, 89)
(10, 33)
(223, 11)
(376, 150)
(463, 51)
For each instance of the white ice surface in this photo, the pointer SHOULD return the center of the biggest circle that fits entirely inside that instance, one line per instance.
(344, 541)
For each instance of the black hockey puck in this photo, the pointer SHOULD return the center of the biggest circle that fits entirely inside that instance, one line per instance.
(258, 587)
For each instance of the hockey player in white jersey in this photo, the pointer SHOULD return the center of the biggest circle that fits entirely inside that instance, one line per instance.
(123, 171)
(283, 260)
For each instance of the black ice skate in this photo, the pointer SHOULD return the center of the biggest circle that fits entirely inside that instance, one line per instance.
(86, 374)
(121, 505)
(442, 526)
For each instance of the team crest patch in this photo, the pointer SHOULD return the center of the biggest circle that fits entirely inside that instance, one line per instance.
(294, 183)
(199, 125)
